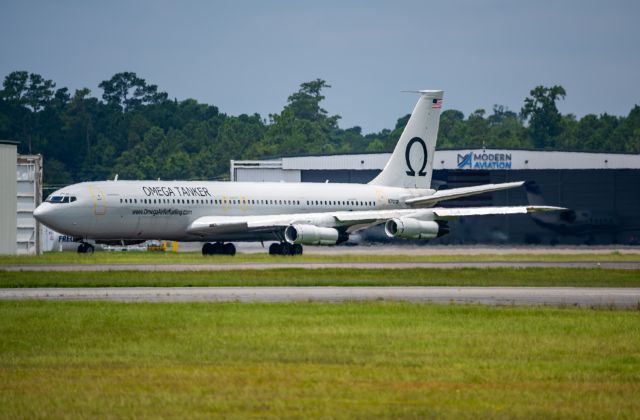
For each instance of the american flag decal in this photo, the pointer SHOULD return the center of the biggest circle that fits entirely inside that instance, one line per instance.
(437, 104)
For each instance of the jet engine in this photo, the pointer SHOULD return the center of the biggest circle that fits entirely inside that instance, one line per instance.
(313, 235)
(409, 228)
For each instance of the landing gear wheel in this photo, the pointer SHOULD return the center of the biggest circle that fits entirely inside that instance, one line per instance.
(218, 248)
(285, 248)
(229, 249)
(207, 249)
(85, 248)
(275, 249)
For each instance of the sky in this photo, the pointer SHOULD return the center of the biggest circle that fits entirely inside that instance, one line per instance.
(249, 56)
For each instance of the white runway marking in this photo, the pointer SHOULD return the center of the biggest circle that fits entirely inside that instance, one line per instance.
(554, 296)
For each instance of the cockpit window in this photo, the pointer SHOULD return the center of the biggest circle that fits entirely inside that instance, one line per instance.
(60, 199)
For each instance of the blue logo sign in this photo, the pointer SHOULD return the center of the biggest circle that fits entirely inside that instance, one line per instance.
(473, 160)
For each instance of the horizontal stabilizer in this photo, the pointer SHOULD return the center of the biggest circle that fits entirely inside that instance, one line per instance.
(430, 200)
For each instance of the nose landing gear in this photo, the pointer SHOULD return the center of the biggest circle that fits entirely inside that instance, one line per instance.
(85, 248)
(285, 248)
(218, 248)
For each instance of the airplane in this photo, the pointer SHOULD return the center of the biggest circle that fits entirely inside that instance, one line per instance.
(582, 223)
(289, 214)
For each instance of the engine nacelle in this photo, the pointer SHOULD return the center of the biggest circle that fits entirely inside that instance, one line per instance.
(313, 235)
(409, 228)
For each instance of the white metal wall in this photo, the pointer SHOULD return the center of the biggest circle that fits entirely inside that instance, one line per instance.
(28, 192)
(8, 198)
(449, 159)
(266, 175)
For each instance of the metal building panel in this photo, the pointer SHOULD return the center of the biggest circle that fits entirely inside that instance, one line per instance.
(8, 201)
(337, 162)
(266, 175)
(28, 195)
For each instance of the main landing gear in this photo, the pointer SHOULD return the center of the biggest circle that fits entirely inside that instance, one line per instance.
(85, 248)
(285, 248)
(218, 248)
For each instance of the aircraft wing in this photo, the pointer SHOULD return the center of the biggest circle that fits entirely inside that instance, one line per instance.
(430, 200)
(349, 221)
(484, 211)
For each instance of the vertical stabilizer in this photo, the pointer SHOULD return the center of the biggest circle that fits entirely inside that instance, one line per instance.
(411, 163)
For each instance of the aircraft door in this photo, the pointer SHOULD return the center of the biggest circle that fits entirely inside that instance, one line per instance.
(99, 201)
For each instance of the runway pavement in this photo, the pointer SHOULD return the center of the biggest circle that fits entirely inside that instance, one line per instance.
(632, 265)
(553, 296)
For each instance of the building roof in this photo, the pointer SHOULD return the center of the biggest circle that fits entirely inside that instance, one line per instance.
(463, 159)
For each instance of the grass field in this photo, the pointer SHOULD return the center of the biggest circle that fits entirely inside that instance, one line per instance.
(194, 257)
(577, 277)
(81, 359)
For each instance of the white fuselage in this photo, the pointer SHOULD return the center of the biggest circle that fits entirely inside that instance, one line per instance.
(165, 209)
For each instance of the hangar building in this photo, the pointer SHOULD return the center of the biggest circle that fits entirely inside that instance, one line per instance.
(602, 191)
(20, 194)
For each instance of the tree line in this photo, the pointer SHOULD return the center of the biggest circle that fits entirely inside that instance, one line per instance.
(138, 132)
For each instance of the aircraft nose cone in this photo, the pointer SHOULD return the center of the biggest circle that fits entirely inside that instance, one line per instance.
(40, 213)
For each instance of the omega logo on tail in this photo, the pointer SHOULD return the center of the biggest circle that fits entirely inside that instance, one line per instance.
(407, 156)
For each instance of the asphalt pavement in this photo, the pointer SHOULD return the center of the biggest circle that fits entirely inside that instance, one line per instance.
(534, 296)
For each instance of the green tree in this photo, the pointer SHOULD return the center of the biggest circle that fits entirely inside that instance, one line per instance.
(543, 116)
(128, 91)
(28, 93)
(303, 126)
(452, 131)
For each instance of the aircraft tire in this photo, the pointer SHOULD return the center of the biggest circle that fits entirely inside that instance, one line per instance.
(229, 249)
(85, 248)
(297, 249)
(275, 249)
(287, 248)
(207, 249)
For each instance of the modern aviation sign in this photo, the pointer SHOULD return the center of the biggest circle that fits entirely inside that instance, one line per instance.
(484, 160)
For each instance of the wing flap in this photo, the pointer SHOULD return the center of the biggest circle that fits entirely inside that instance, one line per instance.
(430, 200)
(486, 211)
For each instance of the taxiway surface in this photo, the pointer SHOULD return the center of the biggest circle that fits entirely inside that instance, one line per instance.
(632, 265)
(553, 296)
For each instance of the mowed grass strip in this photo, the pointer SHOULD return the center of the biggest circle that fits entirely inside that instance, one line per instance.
(92, 359)
(558, 277)
(197, 258)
